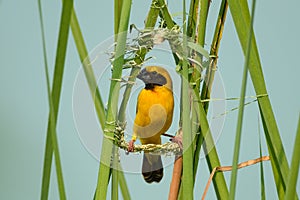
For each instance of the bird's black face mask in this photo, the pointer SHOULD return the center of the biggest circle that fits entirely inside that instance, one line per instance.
(151, 78)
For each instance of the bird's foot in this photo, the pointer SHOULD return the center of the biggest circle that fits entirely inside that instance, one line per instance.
(130, 146)
(177, 139)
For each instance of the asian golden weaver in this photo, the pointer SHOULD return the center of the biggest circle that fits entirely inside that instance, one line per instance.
(154, 113)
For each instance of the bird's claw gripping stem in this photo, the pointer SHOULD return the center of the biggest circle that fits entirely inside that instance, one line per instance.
(130, 146)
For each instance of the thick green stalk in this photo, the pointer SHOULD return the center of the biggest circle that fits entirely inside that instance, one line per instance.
(192, 35)
(197, 73)
(149, 24)
(241, 110)
(207, 85)
(187, 180)
(196, 32)
(115, 151)
(212, 158)
(193, 19)
(241, 17)
(276, 173)
(210, 73)
(201, 29)
(139, 58)
(104, 169)
(115, 174)
(117, 14)
(166, 14)
(200, 39)
(293, 174)
(51, 141)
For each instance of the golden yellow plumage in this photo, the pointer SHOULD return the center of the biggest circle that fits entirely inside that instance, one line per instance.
(153, 117)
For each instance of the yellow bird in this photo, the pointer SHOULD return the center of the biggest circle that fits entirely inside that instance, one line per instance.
(154, 113)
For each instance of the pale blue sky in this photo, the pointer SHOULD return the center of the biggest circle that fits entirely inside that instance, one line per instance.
(24, 106)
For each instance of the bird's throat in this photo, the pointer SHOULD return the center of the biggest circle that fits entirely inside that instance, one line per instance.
(151, 86)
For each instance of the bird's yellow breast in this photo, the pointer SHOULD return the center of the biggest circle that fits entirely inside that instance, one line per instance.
(154, 114)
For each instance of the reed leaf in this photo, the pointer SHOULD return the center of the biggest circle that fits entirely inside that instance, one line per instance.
(100, 110)
(98, 102)
(123, 184)
(293, 174)
(241, 17)
(48, 147)
(87, 68)
(212, 157)
(54, 98)
(262, 179)
(241, 110)
(275, 166)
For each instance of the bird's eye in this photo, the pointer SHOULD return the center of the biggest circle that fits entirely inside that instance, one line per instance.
(154, 72)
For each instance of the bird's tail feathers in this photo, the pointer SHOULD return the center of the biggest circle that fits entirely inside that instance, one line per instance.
(152, 168)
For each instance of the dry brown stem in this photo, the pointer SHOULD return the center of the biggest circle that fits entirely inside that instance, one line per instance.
(229, 168)
(176, 179)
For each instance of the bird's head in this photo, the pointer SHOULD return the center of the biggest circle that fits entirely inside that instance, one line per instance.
(155, 76)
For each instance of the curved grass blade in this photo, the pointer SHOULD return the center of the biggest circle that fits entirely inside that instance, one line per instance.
(241, 110)
(51, 143)
(123, 184)
(88, 71)
(48, 147)
(100, 110)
